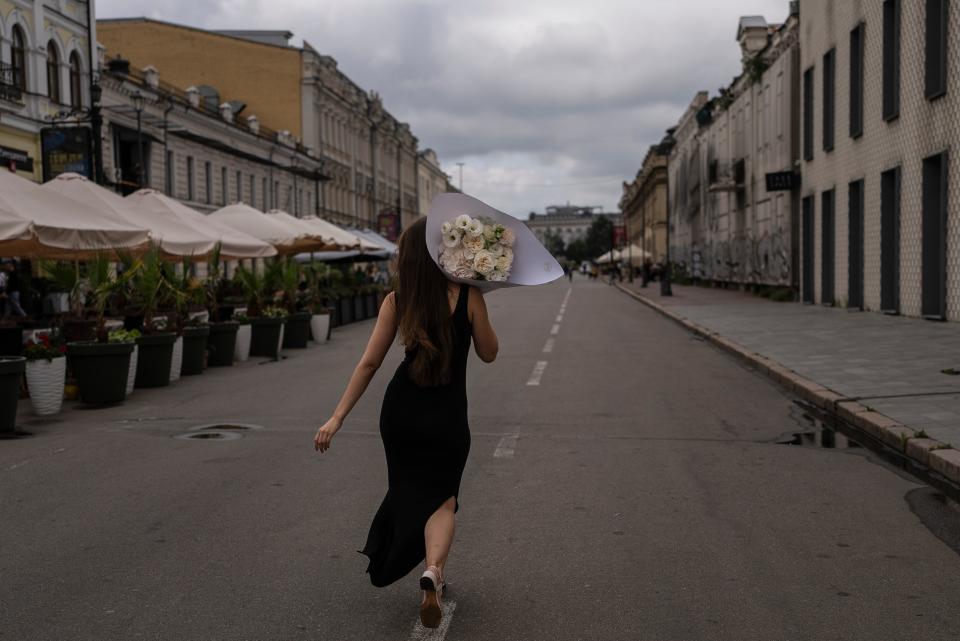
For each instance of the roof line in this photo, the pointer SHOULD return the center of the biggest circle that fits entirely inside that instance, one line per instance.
(199, 30)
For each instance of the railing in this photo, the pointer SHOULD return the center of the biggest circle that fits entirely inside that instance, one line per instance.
(11, 86)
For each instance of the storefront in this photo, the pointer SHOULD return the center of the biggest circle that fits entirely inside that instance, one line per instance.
(20, 151)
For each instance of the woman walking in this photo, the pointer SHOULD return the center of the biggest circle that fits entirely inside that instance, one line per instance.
(423, 419)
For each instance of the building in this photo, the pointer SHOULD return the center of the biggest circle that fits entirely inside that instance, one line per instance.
(198, 150)
(733, 180)
(370, 156)
(569, 222)
(880, 119)
(431, 181)
(644, 206)
(45, 88)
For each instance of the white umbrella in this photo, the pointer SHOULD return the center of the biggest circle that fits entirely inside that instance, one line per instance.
(54, 226)
(289, 237)
(174, 238)
(234, 244)
(341, 237)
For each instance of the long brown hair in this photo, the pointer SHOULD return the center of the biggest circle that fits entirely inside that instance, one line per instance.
(423, 308)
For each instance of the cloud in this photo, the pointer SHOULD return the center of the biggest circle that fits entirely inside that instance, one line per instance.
(527, 94)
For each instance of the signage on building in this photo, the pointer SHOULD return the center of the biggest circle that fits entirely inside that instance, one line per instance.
(16, 159)
(65, 149)
(388, 225)
(619, 235)
(783, 181)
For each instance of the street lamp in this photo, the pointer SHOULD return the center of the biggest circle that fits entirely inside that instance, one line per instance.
(139, 101)
(665, 147)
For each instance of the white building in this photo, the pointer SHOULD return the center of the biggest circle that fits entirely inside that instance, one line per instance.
(881, 116)
(568, 222)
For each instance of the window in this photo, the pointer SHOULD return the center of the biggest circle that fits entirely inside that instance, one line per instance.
(168, 183)
(807, 249)
(891, 59)
(76, 87)
(933, 288)
(191, 179)
(18, 58)
(263, 194)
(808, 114)
(224, 183)
(208, 182)
(827, 249)
(275, 199)
(936, 53)
(829, 98)
(53, 72)
(239, 187)
(855, 245)
(856, 80)
(890, 241)
(253, 190)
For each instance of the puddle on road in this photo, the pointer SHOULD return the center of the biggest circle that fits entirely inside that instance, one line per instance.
(817, 433)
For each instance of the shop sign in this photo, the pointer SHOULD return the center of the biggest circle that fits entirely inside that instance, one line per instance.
(388, 225)
(16, 159)
(65, 149)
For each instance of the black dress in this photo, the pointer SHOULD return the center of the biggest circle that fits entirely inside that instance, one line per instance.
(426, 438)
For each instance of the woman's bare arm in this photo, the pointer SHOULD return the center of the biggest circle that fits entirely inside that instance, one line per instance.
(485, 342)
(382, 337)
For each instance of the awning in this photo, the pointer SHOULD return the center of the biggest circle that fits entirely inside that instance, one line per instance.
(235, 244)
(175, 239)
(36, 222)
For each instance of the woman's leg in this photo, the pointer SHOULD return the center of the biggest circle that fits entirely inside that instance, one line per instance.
(438, 533)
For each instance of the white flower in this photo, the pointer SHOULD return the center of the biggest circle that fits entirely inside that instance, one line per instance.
(465, 272)
(451, 239)
(462, 222)
(489, 233)
(504, 264)
(446, 227)
(473, 243)
(507, 238)
(484, 262)
(496, 276)
(475, 228)
(496, 250)
(507, 252)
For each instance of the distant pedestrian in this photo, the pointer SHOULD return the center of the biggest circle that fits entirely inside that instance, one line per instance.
(12, 290)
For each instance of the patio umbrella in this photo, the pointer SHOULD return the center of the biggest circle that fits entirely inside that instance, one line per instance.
(341, 237)
(288, 237)
(234, 244)
(175, 239)
(36, 222)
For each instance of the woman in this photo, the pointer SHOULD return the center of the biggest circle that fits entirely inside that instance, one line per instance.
(423, 420)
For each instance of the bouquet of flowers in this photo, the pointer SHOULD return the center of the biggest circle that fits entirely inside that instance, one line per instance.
(477, 248)
(479, 245)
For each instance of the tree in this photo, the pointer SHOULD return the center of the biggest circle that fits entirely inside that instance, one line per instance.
(577, 251)
(554, 244)
(599, 237)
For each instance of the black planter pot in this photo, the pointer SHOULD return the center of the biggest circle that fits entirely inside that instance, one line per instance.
(11, 373)
(265, 336)
(194, 350)
(11, 341)
(346, 310)
(221, 343)
(79, 329)
(371, 305)
(101, 370)
(359, 308)
(296, 335)
(154, 359)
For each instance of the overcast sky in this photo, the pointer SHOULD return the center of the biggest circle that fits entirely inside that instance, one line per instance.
(545, 101)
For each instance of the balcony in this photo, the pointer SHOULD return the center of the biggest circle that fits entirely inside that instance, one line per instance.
(10, 85)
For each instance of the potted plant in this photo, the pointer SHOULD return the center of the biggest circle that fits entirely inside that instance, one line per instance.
(11, 373)
(266, 322)
(359, 295)
(296, 333)
(371, 300)
(193, 334)
(46, 373)
(331, 295)
(150, 288)
(222, 340)
(241, 350)
(128, 336)
(101, 368)
(66, 277)
(320, 319)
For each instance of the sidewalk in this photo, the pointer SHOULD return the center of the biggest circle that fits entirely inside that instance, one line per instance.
(881, 373)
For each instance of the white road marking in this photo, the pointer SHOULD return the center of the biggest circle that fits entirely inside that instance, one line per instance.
(506, 446)
(560, 317)
(555, 329)
(537, 373)
(548, 346)
(438, 633)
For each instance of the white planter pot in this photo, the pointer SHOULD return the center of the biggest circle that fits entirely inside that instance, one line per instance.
(45, 380)
(241, 350)
(177, 361)
(132, 375)
(319, 326)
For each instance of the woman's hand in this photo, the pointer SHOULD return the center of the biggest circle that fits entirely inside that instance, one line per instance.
(321, 442)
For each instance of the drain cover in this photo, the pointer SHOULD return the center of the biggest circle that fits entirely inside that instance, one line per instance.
(210, 435)
(226, 426)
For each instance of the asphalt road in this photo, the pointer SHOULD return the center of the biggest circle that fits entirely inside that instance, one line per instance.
(635, 492)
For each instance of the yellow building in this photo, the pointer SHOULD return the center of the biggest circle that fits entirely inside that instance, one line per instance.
(644, 206)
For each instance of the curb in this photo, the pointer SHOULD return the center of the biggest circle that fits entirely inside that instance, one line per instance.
(937, 456)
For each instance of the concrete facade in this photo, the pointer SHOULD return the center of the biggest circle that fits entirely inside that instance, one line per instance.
(568, 222)
(50, 32)
(725, 226)
(644, 206)
(923, 127)
(432, 180)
